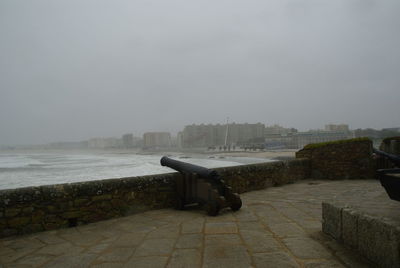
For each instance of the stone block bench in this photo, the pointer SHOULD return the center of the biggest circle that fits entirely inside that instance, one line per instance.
(368, 222)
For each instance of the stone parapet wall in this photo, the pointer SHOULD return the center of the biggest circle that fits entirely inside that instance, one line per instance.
(33, 209)
(265, 175)
(345, 159)
(374, 234)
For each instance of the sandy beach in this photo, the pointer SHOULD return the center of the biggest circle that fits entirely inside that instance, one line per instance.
(258, 154)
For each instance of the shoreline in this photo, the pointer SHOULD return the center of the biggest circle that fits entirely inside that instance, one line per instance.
(275, 154)
(31, 168)
(263, 154)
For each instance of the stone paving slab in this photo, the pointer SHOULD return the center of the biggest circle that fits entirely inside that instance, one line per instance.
(276, 227)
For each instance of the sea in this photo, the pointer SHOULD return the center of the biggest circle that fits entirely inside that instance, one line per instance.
(22, 169)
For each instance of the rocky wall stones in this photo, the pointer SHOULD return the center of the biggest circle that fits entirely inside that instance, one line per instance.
(259, 176)
(332, 220)
(33, 209)
(375, 237)
(345, 159)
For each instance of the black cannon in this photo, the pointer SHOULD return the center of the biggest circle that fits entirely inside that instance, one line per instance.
(202, 186)
(390, 177)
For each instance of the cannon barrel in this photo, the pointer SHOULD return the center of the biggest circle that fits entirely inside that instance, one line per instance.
(391, 157)
(202, 186)
(188, 168)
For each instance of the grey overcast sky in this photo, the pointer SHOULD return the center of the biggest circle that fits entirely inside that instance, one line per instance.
(75, 69)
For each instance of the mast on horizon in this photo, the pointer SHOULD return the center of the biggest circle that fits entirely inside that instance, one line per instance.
(227, 128)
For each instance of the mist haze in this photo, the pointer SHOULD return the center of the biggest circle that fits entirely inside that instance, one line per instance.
(71, 70)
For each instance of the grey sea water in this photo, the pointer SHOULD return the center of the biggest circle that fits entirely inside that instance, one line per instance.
(33, 169)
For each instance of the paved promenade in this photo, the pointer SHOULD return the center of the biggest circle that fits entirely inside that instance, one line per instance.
(276, 227)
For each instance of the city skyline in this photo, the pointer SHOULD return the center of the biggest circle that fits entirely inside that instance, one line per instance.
(114, 139)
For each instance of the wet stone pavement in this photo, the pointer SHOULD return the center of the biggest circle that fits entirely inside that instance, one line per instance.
(276, 227)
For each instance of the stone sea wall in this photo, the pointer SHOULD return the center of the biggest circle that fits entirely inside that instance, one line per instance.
(366, 220)
(33, 209)
(338, 160)
(259, 176)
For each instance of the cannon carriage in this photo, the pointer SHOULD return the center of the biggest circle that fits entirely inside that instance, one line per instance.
(203, 186)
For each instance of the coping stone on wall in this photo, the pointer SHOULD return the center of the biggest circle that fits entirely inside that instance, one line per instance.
(375, 237)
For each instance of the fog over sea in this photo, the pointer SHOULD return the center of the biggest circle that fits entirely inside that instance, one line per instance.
(34, 169)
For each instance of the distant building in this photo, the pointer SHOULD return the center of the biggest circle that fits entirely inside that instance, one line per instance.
(278, 137)
(179, 139)
(156, 139)
(281, 141)
(395, 129)
(248, 135)
(278, 130)
(339, 128)
(174, 141)
(202, 135)
(217, 135)
(303, 138)
(96, 143)
(104, 143)
(137, 142)
(239, 134)
(66, 145)
(127, 140)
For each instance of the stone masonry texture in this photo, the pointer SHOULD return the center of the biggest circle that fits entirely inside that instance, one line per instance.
(33, 209)
(276, 227)
(338, 160)
(368, 221)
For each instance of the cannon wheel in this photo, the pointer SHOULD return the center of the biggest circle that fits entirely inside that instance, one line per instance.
(212, 208)
(179, 203)
(236, 202)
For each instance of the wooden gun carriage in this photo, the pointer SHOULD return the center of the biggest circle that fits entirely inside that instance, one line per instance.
(202, 186)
